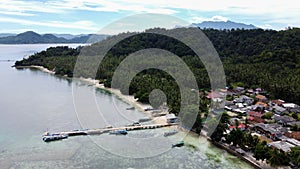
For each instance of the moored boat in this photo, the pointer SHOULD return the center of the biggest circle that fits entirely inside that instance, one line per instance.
(169, 133)
(130, 108)
(118, 132)
(54, 137)
(179, 144)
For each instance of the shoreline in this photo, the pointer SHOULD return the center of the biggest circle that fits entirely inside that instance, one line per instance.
(126, 98)
(140, 107)
(41, 68)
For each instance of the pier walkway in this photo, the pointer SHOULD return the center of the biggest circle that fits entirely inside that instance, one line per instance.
(107, 130)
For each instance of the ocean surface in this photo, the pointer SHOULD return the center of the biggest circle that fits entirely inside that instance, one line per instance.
(32, 102)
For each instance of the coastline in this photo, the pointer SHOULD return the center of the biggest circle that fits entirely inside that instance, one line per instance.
(126, 98)
(41, 68)
(140, 106)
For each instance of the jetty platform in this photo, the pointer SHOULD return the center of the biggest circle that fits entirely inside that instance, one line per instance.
(107, 130)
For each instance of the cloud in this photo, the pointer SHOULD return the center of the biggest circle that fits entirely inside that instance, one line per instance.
(261, 12)
(16, 13)
(82, 25)
(197, 19)
(219, 18)
(21, 6)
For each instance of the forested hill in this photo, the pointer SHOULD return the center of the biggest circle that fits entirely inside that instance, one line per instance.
(265, 58)
(31, 37)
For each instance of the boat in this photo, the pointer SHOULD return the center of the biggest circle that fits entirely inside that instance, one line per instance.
(169, 133)
(148, 109)
(130, 108)
(179, 144)
(144, 119)
(54, 137)
(119, 132)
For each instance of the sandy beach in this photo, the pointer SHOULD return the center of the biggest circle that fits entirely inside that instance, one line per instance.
(41, 68)
(126, 98)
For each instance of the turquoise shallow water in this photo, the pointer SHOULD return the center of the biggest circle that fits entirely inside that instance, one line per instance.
(32, 101)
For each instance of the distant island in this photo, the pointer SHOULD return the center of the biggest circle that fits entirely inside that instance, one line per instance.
(31, 37)
(223, 25)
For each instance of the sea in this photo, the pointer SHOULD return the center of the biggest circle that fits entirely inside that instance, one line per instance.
(32, 102)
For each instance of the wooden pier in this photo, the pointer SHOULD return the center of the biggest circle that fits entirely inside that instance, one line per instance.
(107, 130)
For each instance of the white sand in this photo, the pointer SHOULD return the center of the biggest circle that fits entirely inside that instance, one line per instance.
(41, 68)
(127, 98)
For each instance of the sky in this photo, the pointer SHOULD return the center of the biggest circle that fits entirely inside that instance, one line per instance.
(90, 16)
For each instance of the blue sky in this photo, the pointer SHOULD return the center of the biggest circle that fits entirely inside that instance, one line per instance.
(89, 16)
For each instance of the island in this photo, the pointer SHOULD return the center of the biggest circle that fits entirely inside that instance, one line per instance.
(261, 122)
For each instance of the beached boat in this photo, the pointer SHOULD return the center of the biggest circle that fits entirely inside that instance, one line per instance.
(179, 144)
(118, 132)
(169, 133)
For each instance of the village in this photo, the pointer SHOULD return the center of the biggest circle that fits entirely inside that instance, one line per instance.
(276, 123)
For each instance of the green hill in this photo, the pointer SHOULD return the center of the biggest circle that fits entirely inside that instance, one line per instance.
(256, 58)
(31, 37)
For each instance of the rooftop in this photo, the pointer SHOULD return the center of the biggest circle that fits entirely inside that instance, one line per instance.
(282, 145)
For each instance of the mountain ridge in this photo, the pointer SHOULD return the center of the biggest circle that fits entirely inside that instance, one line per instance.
(224, 25)
(31, 37)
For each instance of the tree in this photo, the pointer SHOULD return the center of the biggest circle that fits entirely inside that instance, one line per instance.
(295, 156)
(261, 151)
(236, 137)
(277, 158)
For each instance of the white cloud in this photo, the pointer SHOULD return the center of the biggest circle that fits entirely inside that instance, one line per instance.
(197, 19)
(21, 6)
(266, 11)
(219, 18)
(82, 25)
(16, 13)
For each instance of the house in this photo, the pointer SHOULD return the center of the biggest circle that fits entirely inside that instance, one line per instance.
(293, 141)
(282, 145)
(255, 114)
(293, 134)
(276, 102)
(289, 105)
(262, 105)
(244, 99)
(294, 123)
(295, 110)
(239, 105)
(255, 117)
(284, 120)
(231, 114)
(254, 120)
(240, 126)
(258, 90)
(273, 131)
(279, 110)
(261, 98)
(250, 91)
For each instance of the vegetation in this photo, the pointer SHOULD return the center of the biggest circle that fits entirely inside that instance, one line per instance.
(266, 58)
(267, 115)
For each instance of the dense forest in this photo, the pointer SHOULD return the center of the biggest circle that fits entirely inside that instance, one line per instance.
(254, 58)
